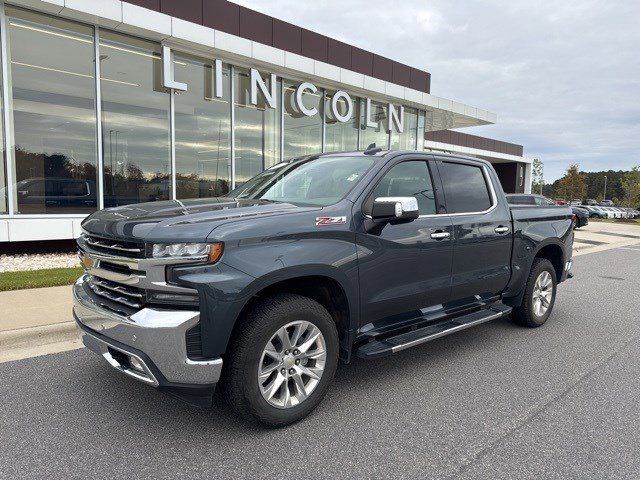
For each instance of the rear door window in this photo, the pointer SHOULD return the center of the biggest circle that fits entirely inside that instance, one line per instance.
(466, 189)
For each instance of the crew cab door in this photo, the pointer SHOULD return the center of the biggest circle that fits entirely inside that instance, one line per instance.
(482, 235)
(406, 266)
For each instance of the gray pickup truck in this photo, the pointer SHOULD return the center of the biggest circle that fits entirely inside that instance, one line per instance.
(315, 260)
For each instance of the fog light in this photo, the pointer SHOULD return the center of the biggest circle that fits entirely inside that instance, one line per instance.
(136, 364)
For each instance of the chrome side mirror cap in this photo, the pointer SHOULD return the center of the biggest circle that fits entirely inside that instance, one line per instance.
(395, 208)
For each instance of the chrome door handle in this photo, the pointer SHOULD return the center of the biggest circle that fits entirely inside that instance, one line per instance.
(501, 229)
(440, 235)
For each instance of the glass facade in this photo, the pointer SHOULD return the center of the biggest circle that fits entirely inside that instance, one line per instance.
(135, 121)
(302, 133)
(409, 136)
(54, 113)
(257, 128)
(202, 130)
(71, 117)
(341, 136)
(378, 134)
(4, 203)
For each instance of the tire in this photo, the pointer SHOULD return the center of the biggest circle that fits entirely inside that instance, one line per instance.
(247, 353)
(526, 314)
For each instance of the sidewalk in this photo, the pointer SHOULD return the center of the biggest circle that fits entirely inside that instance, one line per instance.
(35, 307)
(36, 322)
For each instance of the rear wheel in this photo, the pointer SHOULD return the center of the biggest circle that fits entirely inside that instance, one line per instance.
(282, 360)
(540, 295)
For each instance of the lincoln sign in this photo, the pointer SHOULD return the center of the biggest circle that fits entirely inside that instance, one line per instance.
(268, 92)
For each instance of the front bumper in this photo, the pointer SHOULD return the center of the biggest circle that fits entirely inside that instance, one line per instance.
(149, 345)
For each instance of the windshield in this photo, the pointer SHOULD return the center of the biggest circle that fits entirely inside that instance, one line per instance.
(319, 182)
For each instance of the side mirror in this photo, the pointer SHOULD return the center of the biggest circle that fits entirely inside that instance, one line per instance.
(395, 208)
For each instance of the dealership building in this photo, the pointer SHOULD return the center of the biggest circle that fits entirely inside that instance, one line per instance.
(108, 102)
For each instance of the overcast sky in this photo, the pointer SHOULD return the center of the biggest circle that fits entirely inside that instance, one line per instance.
(563, 76)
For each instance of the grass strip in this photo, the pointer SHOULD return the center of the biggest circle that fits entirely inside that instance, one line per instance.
(50, 277)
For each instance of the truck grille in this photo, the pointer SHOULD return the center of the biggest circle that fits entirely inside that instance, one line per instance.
(130, 297)
(115, 247)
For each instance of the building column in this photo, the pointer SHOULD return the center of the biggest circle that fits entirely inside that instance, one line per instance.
(527, 177)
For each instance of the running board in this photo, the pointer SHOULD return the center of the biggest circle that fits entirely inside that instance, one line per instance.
(387, 346)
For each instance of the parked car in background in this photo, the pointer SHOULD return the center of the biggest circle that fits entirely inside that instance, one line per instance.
(575, 203)
(613, 211)
(595, 212)
(560, 202)
(582, 216)
(606, 203)
(591, 201)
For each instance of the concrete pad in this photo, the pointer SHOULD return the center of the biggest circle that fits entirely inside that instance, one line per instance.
(35, 307)
(600, 236)
(36, 341)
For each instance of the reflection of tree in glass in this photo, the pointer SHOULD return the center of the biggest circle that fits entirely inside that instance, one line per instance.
(40, 165)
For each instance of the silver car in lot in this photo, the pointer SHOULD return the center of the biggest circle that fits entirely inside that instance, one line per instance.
(596, 212)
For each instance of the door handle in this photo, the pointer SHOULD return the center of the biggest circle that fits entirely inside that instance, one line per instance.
(501, 229)
(440, 235)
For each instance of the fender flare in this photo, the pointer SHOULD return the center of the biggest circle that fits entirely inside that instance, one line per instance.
(516, 300)
(234, 309)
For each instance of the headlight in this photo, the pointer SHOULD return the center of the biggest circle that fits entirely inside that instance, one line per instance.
(175, 250)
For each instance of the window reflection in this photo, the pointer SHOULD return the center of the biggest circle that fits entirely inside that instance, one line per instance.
(407, 139)
(257, 129)
(378, 134)
(302, 134)
(135, 121)
(340, 137)
(54, 113)
(202, 130)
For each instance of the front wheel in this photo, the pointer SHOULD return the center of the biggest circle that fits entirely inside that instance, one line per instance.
(540, 295)
(281, 360)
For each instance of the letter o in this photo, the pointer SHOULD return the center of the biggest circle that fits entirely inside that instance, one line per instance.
(334, 106)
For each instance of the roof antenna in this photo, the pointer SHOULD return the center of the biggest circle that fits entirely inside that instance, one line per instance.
(372, 150)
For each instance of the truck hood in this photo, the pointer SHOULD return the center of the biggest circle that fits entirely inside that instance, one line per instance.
(179, 220)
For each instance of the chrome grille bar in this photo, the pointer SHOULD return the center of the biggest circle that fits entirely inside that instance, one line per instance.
(117, 289)
(116, 293)
(94, 242)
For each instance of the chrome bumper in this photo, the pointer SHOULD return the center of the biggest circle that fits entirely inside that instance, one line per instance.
(158, 334)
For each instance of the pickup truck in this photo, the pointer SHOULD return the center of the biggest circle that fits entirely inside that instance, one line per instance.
(315, 260)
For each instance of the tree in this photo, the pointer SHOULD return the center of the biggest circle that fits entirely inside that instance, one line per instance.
(631, 187)
(572, 185)
(537, 173)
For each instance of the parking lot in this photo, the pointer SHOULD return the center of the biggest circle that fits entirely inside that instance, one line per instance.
(496, 401)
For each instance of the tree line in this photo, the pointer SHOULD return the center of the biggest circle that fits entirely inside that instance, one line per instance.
(622, 186)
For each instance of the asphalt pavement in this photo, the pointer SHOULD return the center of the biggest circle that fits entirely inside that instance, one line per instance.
(495, 401)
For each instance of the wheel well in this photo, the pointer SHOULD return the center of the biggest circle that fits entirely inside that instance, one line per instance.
(324, 290)
(554, 254)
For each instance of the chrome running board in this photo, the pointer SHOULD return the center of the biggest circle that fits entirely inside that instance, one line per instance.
(387, 346)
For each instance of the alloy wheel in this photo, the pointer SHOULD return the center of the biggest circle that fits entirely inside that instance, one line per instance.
(542, 294)
(292, 364)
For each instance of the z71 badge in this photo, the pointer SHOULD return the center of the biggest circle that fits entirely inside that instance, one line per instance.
(322, 221)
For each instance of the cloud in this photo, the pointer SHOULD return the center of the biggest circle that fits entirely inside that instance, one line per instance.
(563, 76)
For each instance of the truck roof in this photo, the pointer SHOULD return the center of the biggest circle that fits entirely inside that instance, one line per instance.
(385, 153)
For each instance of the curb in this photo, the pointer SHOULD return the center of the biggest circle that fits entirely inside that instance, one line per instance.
(36, 336)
